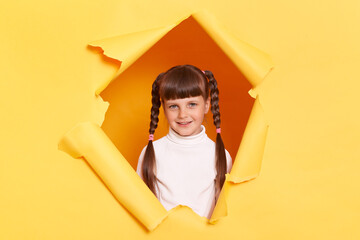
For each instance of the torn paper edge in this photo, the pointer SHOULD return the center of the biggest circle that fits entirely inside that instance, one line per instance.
(218, 36)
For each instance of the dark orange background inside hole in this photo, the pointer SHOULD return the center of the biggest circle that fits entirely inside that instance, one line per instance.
(128, 117)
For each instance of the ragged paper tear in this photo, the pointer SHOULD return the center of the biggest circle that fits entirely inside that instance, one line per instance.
(253, 63)
(87, 140)
(129, 47)
(248, 159)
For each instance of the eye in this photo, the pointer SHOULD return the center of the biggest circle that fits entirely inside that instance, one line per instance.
(173, 106)
(192, 105)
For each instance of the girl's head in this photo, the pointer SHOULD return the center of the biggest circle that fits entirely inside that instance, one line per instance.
(186, 93)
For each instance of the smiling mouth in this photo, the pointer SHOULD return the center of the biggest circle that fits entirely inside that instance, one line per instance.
(184, 124)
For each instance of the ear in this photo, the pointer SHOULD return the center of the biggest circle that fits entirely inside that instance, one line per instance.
(207, 105)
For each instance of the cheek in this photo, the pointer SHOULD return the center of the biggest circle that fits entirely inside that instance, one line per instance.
(169, 115)
(200, 114)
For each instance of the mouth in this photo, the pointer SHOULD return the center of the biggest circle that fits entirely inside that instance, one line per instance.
(184, 124)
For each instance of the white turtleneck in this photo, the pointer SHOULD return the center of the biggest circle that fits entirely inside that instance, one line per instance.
(185, 167)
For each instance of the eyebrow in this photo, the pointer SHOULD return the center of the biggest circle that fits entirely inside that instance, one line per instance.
(195, 99)
(169, 102)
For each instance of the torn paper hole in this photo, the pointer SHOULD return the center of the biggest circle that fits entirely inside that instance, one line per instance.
(89, 141)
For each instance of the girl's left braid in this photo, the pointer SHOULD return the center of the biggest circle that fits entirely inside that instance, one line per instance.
(221, 165)
(214, 99)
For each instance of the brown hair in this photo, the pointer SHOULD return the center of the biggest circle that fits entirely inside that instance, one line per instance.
(181, 82)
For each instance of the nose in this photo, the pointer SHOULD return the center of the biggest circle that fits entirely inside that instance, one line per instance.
(182, 113)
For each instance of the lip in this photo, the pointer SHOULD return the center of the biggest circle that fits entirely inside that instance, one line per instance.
(184, 124)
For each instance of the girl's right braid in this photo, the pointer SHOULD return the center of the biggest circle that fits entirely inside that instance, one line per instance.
(149, 163)
(156, 103)
(221, 166)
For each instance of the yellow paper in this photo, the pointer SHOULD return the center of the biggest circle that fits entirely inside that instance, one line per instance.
(307, 187)
(127, 48)
(89, 141)
(254, 64)
(247, 163)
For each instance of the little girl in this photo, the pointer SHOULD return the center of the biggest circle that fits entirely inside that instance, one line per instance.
(185, 167)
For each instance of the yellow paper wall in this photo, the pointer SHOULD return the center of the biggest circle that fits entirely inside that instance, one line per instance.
(307, 188)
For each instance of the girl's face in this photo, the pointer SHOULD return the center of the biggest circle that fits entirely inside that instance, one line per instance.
(185, 115)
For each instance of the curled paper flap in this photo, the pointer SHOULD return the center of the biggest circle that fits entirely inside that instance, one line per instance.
(129, 47)
(87, 140)
(220, 209)
(252, 62)
(248, 159)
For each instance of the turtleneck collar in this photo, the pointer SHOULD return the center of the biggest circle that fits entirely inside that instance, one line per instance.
(188, 140)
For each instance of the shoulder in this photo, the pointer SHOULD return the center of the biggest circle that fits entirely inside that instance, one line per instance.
(142, 153)
(160, 141)
(228, 155)
(208, 141)
(157, 144)
(228, 161)
(139, 164)
(211, 144)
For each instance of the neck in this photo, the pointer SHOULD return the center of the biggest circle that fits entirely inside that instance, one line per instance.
(187, 140)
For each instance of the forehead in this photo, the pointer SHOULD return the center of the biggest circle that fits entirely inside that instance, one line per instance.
(184, 100)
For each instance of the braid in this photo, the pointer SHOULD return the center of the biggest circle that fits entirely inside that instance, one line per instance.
(156, 103)
(221, 166)
(214, 98)
(149, 163)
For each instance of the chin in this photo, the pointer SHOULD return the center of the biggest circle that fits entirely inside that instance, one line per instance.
(186, 133)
